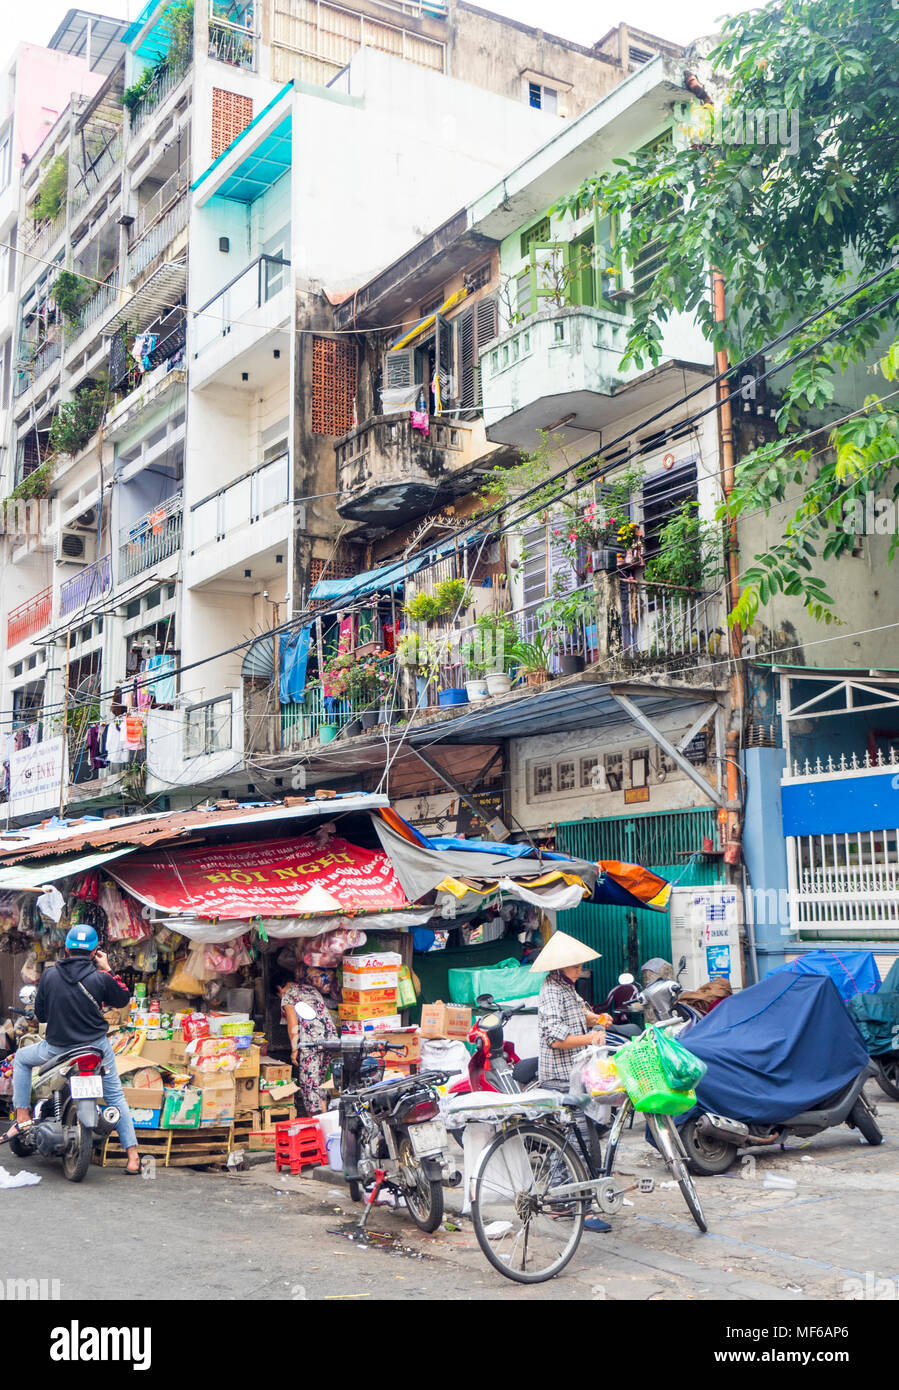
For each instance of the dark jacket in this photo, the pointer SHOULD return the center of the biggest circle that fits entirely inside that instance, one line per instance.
(70, 1017)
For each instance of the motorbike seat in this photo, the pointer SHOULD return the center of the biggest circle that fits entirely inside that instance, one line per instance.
(525, 1071)
(67, 1056)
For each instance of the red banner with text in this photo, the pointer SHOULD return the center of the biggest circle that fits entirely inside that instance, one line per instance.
(274, 878)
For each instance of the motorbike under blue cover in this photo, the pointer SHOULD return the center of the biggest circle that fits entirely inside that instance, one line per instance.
(775, 1049)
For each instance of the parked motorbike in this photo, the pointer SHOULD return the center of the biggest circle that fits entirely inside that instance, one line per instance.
(69, 1114)
(494, 1064)
(752, 1022)
(391, 1133)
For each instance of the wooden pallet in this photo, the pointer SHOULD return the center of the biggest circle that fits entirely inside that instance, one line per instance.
(243, 1124)
(172, 1148)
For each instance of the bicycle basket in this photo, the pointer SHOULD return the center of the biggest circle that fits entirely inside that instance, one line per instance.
(640, 1068)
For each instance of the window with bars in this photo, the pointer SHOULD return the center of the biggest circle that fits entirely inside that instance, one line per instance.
(231, 114)
(663, 497)
(333, 386)
(336, 569)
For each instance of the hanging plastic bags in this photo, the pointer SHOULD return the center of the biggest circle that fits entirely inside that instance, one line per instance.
(683, 1071)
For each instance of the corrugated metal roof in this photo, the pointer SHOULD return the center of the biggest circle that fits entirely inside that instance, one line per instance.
(176, 825)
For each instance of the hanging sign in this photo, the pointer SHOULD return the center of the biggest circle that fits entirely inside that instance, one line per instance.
(274, 878)
(36, 775)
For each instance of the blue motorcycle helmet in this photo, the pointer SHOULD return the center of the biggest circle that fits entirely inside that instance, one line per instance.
(82, 938)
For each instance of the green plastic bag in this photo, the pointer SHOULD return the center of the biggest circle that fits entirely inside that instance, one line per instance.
(683, 1071)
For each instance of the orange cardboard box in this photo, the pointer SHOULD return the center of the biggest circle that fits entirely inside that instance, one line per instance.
(356, 1012)
(370, 996)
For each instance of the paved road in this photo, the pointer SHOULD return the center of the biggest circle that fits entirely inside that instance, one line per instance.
(258, 1235)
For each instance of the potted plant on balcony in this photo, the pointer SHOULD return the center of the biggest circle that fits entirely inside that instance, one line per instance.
(487, 653)
(570, 617)
(630, 543)
(532, 659)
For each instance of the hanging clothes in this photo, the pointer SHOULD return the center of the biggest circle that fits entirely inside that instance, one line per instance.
(421, 422)
(161, 687)
(134, 731)
(94, 756)
(117, 705)
(116, 747)
(293, 659)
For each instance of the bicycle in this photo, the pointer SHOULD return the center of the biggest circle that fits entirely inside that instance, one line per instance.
(536, 1182)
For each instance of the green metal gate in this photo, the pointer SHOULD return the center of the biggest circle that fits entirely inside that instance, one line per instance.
(670, 845)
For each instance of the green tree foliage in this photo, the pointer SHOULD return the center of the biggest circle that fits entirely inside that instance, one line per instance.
(791, 230)
(52, 191)
(76, 420)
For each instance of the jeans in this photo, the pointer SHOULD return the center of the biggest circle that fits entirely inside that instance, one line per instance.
(40, 1052)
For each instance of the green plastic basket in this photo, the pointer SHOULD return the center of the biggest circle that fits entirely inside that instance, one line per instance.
(640, 1068)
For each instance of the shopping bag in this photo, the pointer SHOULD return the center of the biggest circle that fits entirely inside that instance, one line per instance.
(683, 1071)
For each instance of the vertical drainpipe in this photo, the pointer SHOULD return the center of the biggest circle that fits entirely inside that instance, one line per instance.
(732, 589)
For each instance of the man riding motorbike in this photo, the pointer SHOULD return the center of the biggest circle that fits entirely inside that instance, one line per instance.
(70, 1000)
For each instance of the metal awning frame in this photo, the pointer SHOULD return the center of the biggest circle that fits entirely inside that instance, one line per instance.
(161, 292)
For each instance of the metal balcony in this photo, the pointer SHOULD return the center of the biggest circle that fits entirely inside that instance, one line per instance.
(155, 537)
(80, 591)
(29, 617)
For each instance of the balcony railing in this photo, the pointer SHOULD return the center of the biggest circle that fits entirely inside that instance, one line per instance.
(170, 78)
(101, 302)
(30, 617)
(232, 44)
(303, 720)
(161, 200)
(259, 282)
(96, 173)
(41, 235)
(154, 241)
(151, 539)
(244, 502)
(28, 372)
(93, 581)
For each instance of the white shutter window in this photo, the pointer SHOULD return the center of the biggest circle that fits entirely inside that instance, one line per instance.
(399, 388)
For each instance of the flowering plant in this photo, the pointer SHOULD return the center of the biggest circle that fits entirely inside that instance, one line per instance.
(629, 535)
(588, 528)
(360, 678)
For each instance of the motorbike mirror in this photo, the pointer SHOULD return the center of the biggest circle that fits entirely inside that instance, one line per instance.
(625, 979)
(305, 1011)
(681, 965)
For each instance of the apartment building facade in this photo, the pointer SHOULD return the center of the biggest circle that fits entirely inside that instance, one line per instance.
(177, 380)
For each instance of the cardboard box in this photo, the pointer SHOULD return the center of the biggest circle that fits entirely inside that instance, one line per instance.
(249, 1063)
(388, 1024)
(354, 1013)
(261, 1139)
(369, 979)
(145, 1104)
(270, 1070)
(217, 1102)
(369, 996)
(246, 1094)
(404, 1048)
(279, 1096)
(445, 1020)
(167, 1052)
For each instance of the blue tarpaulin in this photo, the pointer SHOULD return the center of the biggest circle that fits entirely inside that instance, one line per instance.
(293, 658)
(853, 972)
(775, 1049)
(388, 576)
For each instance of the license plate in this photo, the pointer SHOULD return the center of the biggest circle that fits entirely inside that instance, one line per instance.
(428, 1138)
(86, 1087)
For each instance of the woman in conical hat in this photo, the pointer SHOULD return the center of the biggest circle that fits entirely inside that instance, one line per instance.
(563, 1018)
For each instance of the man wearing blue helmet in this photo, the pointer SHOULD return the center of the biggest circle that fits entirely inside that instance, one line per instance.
(70, 999)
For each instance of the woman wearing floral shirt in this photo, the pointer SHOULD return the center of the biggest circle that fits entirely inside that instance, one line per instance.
(311, 1063)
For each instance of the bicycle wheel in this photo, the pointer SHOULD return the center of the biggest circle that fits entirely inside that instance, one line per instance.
(525, 1234)
(664, 1131)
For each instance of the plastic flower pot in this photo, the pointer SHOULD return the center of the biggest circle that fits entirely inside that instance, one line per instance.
(477, 690)
(327, 733)
(570, 664)
(499, 683)
(537, 677)
(456, 695)
(353, 728)
(370, 718)
(389, 716)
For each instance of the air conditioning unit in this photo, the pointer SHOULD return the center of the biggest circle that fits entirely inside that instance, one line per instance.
(75, 547)
(87, 521)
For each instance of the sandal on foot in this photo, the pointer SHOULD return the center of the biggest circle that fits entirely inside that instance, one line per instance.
(16, 1128)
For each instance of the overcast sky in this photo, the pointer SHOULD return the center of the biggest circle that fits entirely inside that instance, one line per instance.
(582, 20)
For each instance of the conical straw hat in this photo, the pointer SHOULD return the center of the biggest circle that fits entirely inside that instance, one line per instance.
(562, 950)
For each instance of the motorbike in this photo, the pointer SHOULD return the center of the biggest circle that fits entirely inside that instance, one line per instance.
(391, 1133)
(495, 1065)
(763, 1022)
(70, 1116)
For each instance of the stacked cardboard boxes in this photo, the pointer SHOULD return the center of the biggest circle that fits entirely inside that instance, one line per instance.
(369, 990)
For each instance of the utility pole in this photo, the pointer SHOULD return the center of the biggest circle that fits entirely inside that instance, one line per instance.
(276, 659)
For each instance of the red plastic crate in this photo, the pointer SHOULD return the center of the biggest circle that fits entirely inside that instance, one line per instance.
(299, 1144)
